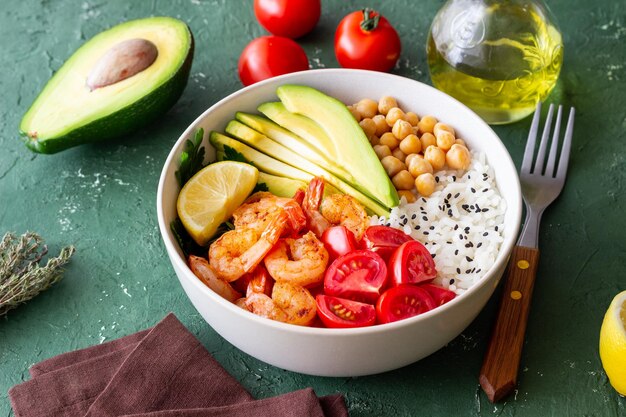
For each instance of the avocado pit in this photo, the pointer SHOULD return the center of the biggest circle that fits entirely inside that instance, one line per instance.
(122, 61)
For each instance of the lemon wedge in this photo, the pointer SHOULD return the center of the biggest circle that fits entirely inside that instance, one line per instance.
(613, 343)
(210, 197)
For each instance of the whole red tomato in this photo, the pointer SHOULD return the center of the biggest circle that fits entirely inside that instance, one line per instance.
(289, 18)
(366, 40)
(269, 56)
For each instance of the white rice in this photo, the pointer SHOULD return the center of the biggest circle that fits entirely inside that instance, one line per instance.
(461, 223)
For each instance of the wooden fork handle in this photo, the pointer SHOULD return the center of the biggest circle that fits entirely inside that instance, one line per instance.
(498, 375)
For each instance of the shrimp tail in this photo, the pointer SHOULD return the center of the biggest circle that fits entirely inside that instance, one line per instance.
(312, 200)
(296, 217)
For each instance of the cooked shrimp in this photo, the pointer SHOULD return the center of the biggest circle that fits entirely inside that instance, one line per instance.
(300, 261)
(239, 251)
(260, 281)
(261, 207)
(345, 210)
(201, 268)
(289, 303)
(311, 203)
(335, 209)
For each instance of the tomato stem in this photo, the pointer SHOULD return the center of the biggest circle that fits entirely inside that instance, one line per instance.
(370, 20)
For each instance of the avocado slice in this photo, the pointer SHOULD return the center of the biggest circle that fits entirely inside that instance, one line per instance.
(348, 144)
(281, 186)
(73, 109)
(263, 144)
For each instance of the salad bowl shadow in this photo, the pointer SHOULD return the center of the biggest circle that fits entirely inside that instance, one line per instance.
(357, 351)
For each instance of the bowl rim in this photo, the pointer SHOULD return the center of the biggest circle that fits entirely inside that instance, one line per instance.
(181, 264)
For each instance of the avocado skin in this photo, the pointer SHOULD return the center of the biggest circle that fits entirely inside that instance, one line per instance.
(125, 120)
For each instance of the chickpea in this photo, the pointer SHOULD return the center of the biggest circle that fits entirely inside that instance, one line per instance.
(382, 151)
(355, 113)
(460, 142)
(436, 156)
(367, 107)
(399, 154)
(403, 180)
(411, 144)
(410, 157)
(368, 126)
(412, 118)
(390, 140)
(374, 140)
(427, 124)
(425, 184)
(419, 166)
(394, 114)
(458, 157)
(392, 165)
(385, 104)
(408, 195)
(443, 127)
(445, 140)
(428, 139)
(401, 129)
(381, 124)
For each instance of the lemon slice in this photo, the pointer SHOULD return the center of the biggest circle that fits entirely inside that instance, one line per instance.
(613, 343)
(210, 197)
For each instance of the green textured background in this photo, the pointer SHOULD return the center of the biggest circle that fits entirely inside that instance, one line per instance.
(101, 198)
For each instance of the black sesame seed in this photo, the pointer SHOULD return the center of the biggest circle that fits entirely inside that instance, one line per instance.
(496, 228)
(433, 255)
(452, 280)
(403, 216)
(472, 189)
(484, 210)
(405, 221)
(449, 242)
(461, 236)
(458, 271)
(478, 270)
(457, 195)
(468, 245)
(418, 227)
(467, 271)
(456, 252)
(413, 216)
(437, 178)
(468, 259)
(426, 232)
(423, 199)
(450, 212)
(454, 178)
(456, 227)
(425, 218)
(469, 177)
(449, 196)
(432, 227)
(479, 245)
(485, 234)
(485, 190)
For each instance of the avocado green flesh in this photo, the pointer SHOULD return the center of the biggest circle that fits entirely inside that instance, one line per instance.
(280, 186)
(349, 145)
(263, 144)
(66, 113)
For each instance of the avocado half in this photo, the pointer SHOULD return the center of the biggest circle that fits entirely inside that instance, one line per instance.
(68, 112)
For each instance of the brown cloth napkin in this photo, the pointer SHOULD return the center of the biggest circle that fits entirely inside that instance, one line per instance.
(160, 372)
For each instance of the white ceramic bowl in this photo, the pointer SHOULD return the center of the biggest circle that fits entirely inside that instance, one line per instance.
(344, 352)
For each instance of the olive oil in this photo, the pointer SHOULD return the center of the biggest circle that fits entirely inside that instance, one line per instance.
(497, 57)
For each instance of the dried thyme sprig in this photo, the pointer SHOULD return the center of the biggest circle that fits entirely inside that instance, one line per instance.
(21, 275)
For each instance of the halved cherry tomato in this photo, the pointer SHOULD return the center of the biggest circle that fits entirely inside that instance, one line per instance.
(383, 240)
(269, 56)
(289, 18)
(402, 302)
(366, 40)
(338, 241)
(357, 276)
(411, 263)
(439, 294)
(337, 312)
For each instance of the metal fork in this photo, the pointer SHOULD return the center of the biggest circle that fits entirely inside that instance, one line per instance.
(541, 185)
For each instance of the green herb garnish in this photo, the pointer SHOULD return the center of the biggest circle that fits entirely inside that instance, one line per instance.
(231, 154)
(21, 275)
(191, 158)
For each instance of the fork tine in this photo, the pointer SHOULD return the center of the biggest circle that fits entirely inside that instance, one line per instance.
(530, 142)
(554, 144)
(567, 145)
(541, 155)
